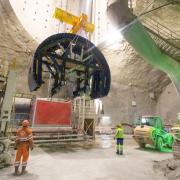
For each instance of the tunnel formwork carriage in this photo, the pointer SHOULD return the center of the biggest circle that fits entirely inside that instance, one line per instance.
(71, 61)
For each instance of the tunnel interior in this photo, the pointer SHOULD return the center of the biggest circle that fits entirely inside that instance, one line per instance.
(84, 87)
(132, 79)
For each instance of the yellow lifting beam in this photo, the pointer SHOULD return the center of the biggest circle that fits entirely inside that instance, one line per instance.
(75, 21)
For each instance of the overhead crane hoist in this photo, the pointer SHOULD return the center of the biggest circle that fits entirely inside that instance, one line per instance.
(72, 61)
(77, 23)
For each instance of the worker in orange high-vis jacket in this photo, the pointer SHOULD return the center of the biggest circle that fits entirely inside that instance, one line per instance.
(24, 142)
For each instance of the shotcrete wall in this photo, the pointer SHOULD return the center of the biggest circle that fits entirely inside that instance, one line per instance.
(168, 105)
(135, 85)
(125, 103)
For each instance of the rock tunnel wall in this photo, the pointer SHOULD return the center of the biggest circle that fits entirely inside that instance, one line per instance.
(135, 87)
(15, 43)
(168, 105)
(124, 103)
(149, 84)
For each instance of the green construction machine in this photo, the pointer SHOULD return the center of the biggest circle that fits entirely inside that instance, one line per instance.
(150, 130)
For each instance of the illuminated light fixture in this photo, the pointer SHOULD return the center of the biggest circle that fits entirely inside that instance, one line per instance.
(105, 121)
(114, 36)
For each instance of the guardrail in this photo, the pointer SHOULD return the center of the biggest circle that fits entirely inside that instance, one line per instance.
(167, 40)
(160, 29)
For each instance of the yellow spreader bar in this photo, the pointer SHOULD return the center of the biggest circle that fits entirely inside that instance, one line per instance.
(75, 21)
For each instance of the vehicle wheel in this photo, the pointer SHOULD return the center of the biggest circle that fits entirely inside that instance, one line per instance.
(2, 147)
(160, 144)
(153, 135)
(142, 145)
(170, 142)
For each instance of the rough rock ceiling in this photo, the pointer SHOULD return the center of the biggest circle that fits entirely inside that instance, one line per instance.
(126, 66)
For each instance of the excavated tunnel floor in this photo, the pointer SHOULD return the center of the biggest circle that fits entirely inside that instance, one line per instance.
(91, 162)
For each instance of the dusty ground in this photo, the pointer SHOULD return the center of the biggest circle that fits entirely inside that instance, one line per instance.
(91, 162)
(170, 168)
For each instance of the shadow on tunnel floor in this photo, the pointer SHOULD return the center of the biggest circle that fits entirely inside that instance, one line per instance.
(70, 147)
(154, 150)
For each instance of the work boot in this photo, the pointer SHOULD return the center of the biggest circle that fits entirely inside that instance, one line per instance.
(23, 170)
(121, 153)
(16, 172)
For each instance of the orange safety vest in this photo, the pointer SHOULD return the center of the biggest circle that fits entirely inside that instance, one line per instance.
(24, 137)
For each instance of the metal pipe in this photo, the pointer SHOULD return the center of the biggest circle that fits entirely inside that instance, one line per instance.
(138, 37)
(119, 13)
(22, 105)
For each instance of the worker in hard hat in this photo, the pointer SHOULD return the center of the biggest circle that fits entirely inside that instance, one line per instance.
(119, 136)
(24, 142)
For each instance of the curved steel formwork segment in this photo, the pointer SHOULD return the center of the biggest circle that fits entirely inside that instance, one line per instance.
(72, 61)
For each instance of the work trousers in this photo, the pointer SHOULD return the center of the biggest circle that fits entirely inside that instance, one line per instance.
(22, 153)
(119, 144)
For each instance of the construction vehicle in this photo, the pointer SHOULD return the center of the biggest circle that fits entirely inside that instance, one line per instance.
(150, 130)
(176, 133)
